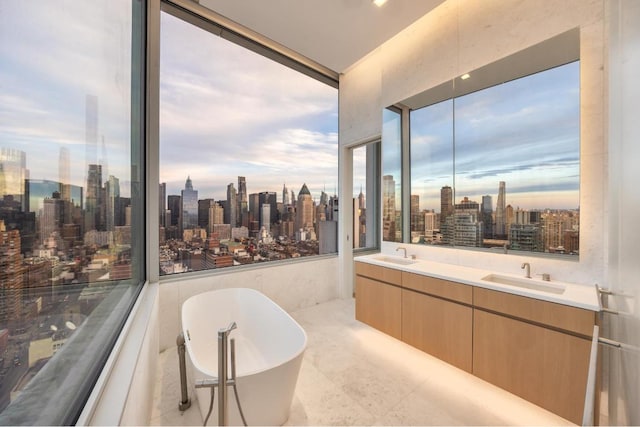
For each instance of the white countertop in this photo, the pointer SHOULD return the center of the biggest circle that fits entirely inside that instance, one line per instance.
(570, 294)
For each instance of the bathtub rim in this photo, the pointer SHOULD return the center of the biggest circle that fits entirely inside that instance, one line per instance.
(293, 355)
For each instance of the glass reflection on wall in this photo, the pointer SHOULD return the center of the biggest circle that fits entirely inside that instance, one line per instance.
(432, 198)
(514, 179)
(391, 176)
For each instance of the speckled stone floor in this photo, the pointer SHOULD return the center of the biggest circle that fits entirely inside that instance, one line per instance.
(355, 375)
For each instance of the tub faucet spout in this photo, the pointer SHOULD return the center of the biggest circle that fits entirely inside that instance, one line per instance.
(226, 331)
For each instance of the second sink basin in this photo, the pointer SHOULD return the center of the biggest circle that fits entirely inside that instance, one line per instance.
(523, 282)
(395, 260)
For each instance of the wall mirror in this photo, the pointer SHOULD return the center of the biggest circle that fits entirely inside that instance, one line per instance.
(490, 160)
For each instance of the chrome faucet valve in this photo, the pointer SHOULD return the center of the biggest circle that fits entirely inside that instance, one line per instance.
(402, 248)
(527, 268)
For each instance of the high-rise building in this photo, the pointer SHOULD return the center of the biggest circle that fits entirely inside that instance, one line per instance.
(468, 230)
(243, 203)
(216, 216)
(188, 207)
(265, 214)
(254, 207)
(285, 196)
(268, 197)
(112, 202)
(501, 214)
(13, 173)
(486, 214)
(231, 207)
(417, 218)
(204, 206)
(446, 203)
(304, 210)
(173, 206)
(526, 237)
(11, 276)
(162, 203)
(52, 217)
(361, 200)
(431, 225)
(94, 198)
(388, 208)
(468, 206)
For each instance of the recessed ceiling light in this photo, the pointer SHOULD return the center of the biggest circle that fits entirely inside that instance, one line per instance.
(379, 3)
(465, 76)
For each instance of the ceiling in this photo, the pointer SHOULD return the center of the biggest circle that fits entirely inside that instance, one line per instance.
(334, 33)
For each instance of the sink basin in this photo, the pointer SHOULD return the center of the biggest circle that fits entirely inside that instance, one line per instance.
(395, 260)
(523, 282)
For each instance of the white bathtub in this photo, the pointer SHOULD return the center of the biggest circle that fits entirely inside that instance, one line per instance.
(269, 349)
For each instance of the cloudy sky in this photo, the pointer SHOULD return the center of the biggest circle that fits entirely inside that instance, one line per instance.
(525, 132)
(49, 62)
(226, 111)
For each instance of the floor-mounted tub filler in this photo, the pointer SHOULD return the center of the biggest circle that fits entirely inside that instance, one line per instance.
(269, 345)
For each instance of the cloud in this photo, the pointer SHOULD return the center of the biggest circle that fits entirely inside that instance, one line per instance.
(228, 112)
(47, 71)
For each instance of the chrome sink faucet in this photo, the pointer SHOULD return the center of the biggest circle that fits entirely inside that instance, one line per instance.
(527, 270)
(401, 248)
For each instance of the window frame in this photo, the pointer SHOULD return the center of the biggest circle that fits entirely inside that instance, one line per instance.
(216, 24)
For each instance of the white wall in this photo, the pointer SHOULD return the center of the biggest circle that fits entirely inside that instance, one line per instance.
(292, 285)
(623, 376)
(462, 35)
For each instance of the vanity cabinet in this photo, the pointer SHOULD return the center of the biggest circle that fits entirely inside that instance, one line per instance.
(535, 349)
(437, 318)
(379, 298)
(538, 350)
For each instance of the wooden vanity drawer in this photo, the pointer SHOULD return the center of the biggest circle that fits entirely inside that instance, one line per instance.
(559, 316)
(379, 305)
(438, 287)
(382, 274)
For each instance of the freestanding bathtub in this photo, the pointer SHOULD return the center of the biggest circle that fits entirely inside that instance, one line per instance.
(269, 349)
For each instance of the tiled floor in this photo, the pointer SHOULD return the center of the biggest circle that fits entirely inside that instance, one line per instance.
(354, 375)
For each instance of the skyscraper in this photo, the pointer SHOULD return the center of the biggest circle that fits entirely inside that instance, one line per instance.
(231, 208)
(243, 204)
(162, 203)
(486, 213)
(13, 172)
(93, 198)
(388, 208)
(446, 203)
(11, 275)
(52, 217)
(112, 192)
(501, 219)
(173, 205)
(417, 219)
(203, 212)
(216, 216)
(285, 195)
(268, 197)
(304, 210)
(188, 207)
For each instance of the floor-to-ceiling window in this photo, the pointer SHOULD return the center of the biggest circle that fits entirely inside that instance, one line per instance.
(71, 198)
(248, 154)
